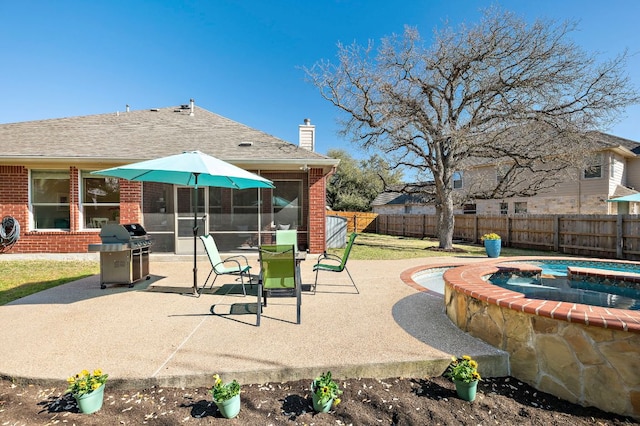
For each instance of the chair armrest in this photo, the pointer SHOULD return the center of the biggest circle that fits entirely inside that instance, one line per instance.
(329, 256)
(229, 260)
(232, 258)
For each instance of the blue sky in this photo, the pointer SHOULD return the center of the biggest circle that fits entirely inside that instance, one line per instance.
(239, 59)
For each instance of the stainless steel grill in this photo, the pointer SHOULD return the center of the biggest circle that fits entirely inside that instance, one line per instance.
(124, 254)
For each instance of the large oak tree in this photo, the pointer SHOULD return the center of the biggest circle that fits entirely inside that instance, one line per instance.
(504, 91)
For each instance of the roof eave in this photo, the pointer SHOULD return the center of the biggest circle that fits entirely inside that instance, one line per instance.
(327, 165)
(622, 150)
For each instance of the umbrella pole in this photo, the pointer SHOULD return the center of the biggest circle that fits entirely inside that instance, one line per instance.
(195, 236)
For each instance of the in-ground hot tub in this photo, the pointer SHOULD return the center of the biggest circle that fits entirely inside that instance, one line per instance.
(605, 284)
(571, 350)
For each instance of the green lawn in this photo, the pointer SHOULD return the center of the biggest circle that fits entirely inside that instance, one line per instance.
(379, 247)
(22, 278)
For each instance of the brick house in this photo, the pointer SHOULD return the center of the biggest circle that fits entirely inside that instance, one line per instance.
(45, 181)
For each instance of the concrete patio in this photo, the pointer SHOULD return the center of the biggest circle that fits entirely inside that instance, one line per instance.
(158, 333)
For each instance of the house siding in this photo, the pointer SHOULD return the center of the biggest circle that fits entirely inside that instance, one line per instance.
(616, 170)
(389, 209)
(633, 173)
(404, 209)
(574, 195)
(14, 190)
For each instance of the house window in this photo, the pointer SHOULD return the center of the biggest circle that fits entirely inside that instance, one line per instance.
(287, 204)
(100, 198)
(457, 180)
(612, 171)
(501, 172)
(520, 207)
(594, 167)
(217, 218)
(469, 209)
(241, 210)
(504, 208)
(245, 209)
(50, 199)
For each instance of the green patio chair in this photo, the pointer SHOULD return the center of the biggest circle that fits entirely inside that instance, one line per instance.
(287, 237)
(229, 266)
(278, 277)
(339, 266)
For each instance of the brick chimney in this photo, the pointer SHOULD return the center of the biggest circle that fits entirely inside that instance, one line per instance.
(307, 135)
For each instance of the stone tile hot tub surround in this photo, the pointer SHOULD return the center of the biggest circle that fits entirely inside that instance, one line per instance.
(585, 354)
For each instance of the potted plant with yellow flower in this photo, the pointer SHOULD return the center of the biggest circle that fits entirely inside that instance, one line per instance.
(88, 390)
(464, 374)
(492, 244)
(325, 393)
(226, 396)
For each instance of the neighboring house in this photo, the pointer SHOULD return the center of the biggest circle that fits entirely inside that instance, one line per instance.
(401, 199)
(614, 172)
(45, 181)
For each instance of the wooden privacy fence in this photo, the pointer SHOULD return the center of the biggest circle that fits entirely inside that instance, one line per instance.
(358, 221)
(609, 236)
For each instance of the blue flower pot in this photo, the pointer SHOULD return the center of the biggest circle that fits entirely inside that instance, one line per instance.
(91, 402)
(466, 391)
(320, 407)
(493, 247)
(229, 408)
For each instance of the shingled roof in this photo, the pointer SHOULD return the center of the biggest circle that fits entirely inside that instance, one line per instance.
(146, 134)
(611, 141)
(406, 194)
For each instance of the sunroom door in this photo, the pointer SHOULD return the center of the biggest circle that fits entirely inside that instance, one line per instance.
(184, 219)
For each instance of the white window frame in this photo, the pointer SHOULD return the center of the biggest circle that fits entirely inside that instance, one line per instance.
(300, 213)
(501, 172)
(594, 162)
(612, 168)
(459, 179)
(60, 205)
(517, 207)
(82, 174)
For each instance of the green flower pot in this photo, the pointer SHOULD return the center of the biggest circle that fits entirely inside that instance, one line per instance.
(493, 247)
(320, 407)
(229, 408)
(90, 402)
(466, 391)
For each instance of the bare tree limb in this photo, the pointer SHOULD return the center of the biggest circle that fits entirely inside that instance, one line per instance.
(498, 92)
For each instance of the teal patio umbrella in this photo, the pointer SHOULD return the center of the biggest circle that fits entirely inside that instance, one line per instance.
(633, 198)
(191, 168)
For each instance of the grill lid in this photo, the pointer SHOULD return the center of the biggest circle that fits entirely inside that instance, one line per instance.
(117, 233)
(135, 229)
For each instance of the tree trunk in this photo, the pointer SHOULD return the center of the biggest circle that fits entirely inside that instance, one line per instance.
(446, 223)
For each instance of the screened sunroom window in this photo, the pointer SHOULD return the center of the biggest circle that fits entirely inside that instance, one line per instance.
(287, 205)
(100, 200)
(245, 209)
(50, 199)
